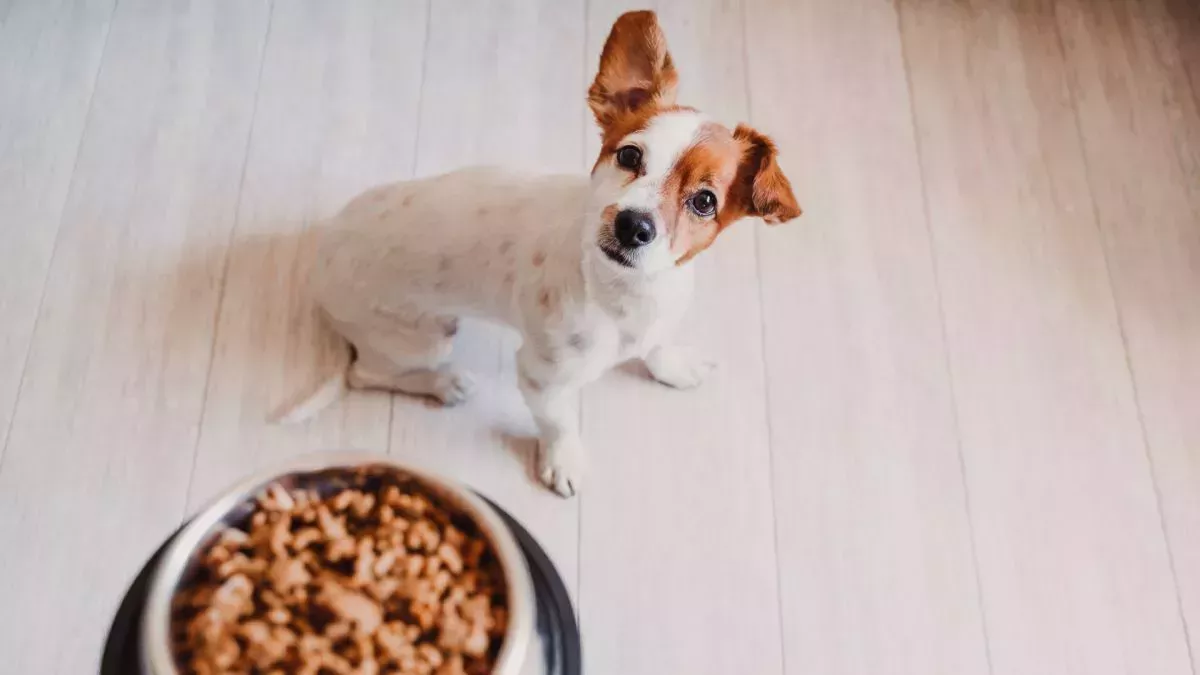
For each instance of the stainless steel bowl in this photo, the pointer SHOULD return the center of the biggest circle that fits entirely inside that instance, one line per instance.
(157, 656)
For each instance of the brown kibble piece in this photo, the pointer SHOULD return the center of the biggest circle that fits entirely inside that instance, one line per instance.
(312, 585)
(288, 573)
(453, 666)
(451, 557)
(332, 526)
(365, 613)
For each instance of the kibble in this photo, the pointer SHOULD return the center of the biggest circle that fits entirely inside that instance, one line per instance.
(369, 575)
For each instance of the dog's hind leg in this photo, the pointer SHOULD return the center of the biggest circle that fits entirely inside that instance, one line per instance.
(406, 353)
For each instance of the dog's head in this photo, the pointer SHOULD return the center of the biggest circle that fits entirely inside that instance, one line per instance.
(668, 180)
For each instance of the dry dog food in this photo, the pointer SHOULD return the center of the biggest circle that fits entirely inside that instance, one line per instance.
(368, 575)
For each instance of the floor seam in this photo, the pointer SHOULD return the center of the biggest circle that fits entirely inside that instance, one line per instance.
(225, 266)
(37, 317)
(587, 8)
(1128, 359)
(948, 368)
(762, 333)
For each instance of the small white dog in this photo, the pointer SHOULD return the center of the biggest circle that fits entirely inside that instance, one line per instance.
(591, 272)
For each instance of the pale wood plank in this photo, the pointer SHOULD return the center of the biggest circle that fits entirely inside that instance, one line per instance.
(677, 554)
(49, 56)
(876, 565)
(336, 114)
(1073, 565)
(503, 85)
(1142, 141)
(98, 460)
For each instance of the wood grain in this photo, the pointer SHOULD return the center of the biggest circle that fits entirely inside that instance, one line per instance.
(676, 507)
(336, 112)
(954, 427)
(99, 457)
(1128, 74)
(49, 57)
(875, 557)
(1074, 571)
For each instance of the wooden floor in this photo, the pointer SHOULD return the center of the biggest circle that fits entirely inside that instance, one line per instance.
(957, 425)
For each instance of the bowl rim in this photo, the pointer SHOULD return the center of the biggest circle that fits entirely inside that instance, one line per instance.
(157, 656)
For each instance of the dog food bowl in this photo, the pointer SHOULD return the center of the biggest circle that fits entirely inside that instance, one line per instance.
(541, 637)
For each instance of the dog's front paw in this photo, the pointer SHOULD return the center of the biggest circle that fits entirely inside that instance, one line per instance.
(452, 387)
(560, 466)
(679, 367)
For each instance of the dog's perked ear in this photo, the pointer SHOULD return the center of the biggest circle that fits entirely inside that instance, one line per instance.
(759, 188)
(635, 69)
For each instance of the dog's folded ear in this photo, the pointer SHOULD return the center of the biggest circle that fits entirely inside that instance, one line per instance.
(760, 189)
(635, 69)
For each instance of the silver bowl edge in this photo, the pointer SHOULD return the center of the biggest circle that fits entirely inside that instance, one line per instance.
(157, 657)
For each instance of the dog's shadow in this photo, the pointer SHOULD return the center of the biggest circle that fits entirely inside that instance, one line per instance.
(270, 346)
(248, 315)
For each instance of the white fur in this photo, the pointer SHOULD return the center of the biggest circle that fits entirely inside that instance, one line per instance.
(403, 261)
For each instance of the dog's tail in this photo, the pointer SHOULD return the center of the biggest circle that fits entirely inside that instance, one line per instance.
(324, 396)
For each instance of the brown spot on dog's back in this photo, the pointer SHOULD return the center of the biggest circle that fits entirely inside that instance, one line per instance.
(407, 200)
(530, 383)
(539, 258)
(444, 264)
(506, 246)
(546, 299)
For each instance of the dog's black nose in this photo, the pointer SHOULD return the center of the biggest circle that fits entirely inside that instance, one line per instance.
(634, 228)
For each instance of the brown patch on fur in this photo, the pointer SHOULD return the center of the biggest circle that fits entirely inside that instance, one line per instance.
(761, 189)
(546, 299)
(635, 82)
(407, 200)
(711, 163)
(481, 211)
(510, 278)
(450, 326)
(530, 383)
(741, 170)
(612, 135)
(506, 246)
(539, 258)
(444, 264)
(636, 69)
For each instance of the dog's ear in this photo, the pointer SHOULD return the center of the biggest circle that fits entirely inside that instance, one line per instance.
(759, 188)
(635, 69)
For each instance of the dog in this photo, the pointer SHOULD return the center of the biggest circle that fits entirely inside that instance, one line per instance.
(591, 272)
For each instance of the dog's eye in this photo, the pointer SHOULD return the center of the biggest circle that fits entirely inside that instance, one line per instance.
(630, 157)
(704, 203)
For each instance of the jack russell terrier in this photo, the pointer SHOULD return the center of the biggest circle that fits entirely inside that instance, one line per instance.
(591, 272)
